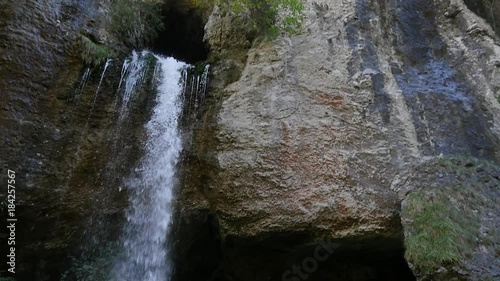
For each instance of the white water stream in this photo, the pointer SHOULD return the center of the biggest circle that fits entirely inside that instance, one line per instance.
(150, 190)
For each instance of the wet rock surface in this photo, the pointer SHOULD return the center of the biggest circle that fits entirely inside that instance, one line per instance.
(59, 136)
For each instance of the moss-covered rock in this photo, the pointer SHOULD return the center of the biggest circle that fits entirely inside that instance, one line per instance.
(449, 218)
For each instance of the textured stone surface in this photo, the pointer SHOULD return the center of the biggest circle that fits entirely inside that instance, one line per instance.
(487, 9)
(51, 137)
(315, 129)
(312, 136)
(306, 138)
(473, 188)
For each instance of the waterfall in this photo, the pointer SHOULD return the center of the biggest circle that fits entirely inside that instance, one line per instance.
(144, 238)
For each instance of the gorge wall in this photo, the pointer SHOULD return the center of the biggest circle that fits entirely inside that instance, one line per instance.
(60, 134)
(318, 136)
(325, 137)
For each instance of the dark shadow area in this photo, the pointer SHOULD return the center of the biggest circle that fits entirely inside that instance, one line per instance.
(486, 9)
(199, 258)
(182, 37)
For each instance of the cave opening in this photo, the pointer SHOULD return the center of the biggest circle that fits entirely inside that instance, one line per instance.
(202, 254)
(182, 37)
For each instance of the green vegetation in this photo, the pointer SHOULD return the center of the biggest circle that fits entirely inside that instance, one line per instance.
(136, 22)
(440, 232)
(92, 53)
(271, 17)
(93, 269)
(7, 279)
(449, 216)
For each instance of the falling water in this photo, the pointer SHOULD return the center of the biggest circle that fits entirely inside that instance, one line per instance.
(150, 189)
(108, 62)
(194, 94)
(134, 74)
(81, 85)
(204, 81)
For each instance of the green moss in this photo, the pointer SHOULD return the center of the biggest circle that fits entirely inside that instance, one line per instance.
(92, 53)
(440, 232)
(199, 68)
(453, 198)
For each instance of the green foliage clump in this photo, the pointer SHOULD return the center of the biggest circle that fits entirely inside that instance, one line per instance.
(7, 279)
(97, 268)
(440, 233)
(93, 53)
(271, 17)
(136, 22)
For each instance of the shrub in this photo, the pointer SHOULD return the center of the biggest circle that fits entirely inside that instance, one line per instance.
(93, 53)
(136, 22)
(270, 17)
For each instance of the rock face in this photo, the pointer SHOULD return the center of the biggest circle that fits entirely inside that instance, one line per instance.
(58, 135)
(489, 10)
(310, 142)
(310, 157)
(448, 212)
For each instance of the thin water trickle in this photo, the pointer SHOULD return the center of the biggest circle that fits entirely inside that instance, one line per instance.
(108, 62)
(81, 85)
(133, 76)
(125, 67)
(205, 81)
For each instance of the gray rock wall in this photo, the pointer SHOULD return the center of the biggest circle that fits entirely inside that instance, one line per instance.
(310, 142)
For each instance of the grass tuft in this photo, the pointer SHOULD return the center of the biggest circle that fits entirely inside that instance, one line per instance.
(440, 232)
(92, 53)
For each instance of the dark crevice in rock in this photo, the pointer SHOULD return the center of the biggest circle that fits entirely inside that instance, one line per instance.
(196, 246)
(182, 36)
(487, 9)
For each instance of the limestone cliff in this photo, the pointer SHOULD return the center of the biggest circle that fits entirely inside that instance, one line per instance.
(313, 139)
(376, 125)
